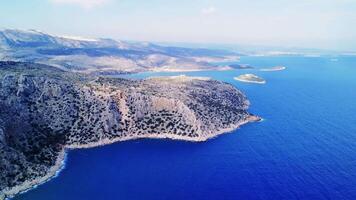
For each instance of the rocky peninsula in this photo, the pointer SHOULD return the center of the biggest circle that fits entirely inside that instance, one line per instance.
(44, 111)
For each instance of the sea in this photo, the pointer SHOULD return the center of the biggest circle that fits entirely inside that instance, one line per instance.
(305, 147)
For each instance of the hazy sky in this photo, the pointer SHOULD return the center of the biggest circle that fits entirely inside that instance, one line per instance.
(327, 24)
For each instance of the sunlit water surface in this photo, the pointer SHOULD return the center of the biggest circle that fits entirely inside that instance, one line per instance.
(304, 149)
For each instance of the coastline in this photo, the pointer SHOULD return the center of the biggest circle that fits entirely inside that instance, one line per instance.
(104, 142)
(60, 162)
(29, 185)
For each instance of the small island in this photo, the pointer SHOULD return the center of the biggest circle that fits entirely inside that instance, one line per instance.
(250, 78)
(273, 69)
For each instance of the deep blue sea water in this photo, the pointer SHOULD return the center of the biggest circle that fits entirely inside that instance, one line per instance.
(304, 149)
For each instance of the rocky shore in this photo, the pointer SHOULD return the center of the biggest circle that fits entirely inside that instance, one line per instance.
(29, 184)
(44, 111)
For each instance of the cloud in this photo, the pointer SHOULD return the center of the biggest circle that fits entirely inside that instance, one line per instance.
(87, 4)
(209, 10)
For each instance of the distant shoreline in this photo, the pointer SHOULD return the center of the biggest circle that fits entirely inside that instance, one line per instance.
(177, 70)
(273, 69)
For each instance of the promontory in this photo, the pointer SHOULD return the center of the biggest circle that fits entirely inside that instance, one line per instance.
(44, 111)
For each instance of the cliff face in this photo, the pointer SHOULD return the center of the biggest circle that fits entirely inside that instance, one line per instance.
(44, 110)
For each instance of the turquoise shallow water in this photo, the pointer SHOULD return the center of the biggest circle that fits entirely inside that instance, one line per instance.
(304, 149)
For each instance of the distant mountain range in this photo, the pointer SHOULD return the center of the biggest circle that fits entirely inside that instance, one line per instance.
(104, 56)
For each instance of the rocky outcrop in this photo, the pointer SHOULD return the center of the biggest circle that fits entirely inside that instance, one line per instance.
(44, 110)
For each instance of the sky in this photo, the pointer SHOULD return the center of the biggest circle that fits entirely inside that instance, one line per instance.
(325, 24)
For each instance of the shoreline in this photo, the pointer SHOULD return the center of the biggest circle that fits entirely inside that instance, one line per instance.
(104, 142)
(61, 160)
(29, 185)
